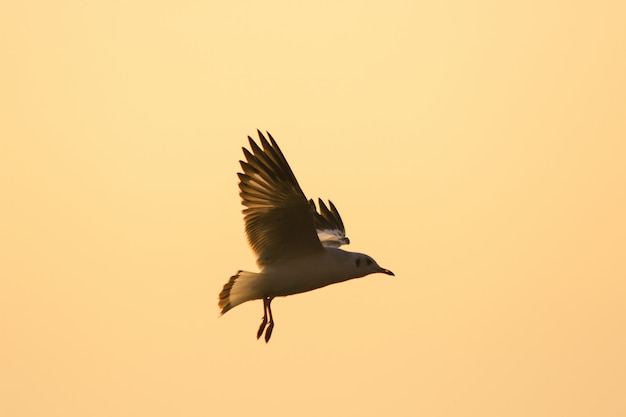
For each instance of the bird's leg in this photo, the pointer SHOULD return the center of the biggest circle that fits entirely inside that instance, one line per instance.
(264, 321)
(268, 333)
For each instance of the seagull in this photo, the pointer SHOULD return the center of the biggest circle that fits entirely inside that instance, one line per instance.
(297, 247)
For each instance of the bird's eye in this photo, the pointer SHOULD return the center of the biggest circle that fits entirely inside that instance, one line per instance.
(358, 262)
(369, 261)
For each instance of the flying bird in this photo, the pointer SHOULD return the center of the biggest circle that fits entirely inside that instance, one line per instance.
(297, 246)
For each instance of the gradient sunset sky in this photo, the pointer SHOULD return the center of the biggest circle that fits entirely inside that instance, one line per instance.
(476, 149)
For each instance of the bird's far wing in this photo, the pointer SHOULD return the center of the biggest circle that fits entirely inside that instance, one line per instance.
(330, 229)
(280, 224)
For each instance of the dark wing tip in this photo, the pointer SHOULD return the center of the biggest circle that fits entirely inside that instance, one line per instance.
(336, 216)
(327, 218)
(272, 139)
(264, 141)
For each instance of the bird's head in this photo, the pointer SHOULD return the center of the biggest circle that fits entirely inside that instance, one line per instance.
(366, 265)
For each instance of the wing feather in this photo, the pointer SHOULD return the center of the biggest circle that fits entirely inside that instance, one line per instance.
(329, 226)
(279, 222)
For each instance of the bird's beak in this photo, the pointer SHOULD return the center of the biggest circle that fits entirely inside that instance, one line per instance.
(386, 271)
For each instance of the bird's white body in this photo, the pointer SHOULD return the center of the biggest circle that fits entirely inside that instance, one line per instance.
(298, 275)
(304, 274)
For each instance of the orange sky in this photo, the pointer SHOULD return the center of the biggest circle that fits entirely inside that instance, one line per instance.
(475, 150)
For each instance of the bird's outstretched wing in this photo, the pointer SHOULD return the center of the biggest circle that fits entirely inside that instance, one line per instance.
(330, 229)
(280, 224)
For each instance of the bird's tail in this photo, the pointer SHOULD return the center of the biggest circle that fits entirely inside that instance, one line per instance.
(241, 287)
